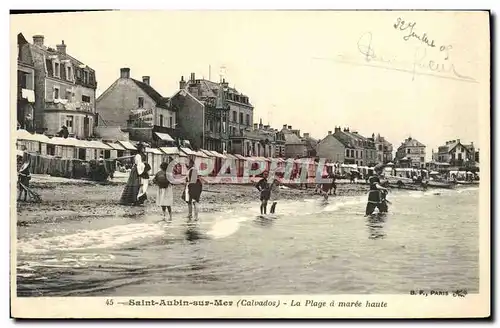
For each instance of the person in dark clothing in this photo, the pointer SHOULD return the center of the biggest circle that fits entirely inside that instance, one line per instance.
(265, 192)
(192, 192)
(24, 178)
(327, 187)
(376, 196)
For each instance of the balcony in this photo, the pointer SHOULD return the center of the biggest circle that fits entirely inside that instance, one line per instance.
(65, 104)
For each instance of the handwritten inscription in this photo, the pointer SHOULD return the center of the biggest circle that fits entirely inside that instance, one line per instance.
(409, 27)
(420, 63)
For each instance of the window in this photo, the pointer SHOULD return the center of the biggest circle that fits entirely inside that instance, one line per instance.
(223, 127)
(69, 123)
(161, 120)
(70, 75)
(460, 156)
(56, 70)
(408, 150)
(140, 102)
(85, 99)
(248, 119)
(171, 122)
(347, 152)
(422, 159)
(241, 118)
(85, 77)
(56, 93)
(352, 152)
(234, 116)
(357, 154)
(361, 153)
(23, 80)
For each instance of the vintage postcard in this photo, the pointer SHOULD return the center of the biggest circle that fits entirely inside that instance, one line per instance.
(250, 164)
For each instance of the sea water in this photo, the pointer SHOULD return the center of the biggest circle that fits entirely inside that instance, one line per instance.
(428, 240)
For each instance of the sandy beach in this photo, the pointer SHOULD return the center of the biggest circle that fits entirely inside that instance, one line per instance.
(66, 199)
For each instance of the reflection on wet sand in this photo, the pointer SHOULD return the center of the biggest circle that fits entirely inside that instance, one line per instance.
(375, 224)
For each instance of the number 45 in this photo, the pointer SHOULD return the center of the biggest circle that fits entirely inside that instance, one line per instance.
(109, 302)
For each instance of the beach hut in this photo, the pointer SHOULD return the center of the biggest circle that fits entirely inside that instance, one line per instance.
(129, 147)
(218, 161)
(154, 159)
(34, 143)
(234, 159)
(116, 151)
(174, 154)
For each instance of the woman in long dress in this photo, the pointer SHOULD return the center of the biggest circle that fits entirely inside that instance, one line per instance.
(135, 192)
(192, 191)
(164, 196)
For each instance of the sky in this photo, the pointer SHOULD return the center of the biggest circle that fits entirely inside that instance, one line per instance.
(306, 69)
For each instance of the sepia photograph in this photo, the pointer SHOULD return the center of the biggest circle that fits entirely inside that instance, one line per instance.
(239, 164)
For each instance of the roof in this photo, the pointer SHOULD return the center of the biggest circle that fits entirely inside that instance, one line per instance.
(153, 94)
(127, 145)
(188, 151)
(115, 146)
(154, 151)
(345, 139)
(410, 142)
(25, 135)
(210, 89)
(292, 139)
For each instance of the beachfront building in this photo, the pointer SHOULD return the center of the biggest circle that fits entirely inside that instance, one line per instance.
(383, 149)
(346, 146)
(455, 153)
(136, 107)
(311, 144)
(295, 147)
(256, 142)
(64, 91)
(203, 113)
(25, 84)
(411, 153)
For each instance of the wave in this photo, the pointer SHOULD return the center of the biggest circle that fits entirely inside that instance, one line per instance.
(91, 239)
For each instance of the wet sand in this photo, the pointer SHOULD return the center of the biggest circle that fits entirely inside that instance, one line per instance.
(66, 199)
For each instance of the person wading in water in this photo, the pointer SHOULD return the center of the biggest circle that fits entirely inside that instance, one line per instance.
(192, 192)
(376, 196)
(265, 192)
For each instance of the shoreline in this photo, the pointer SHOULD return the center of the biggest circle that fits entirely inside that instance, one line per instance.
(71, 199)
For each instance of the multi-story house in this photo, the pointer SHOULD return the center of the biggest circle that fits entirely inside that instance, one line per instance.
(455, 153)
(347, 147)
(259, 142)
(64, 91)
(311, 144)
(383, 149)
(136, 107)
(25, 84)
(203, 113)
(411, 153)
(295, 147)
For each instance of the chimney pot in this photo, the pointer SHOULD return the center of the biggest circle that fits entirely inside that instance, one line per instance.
(182, 83)
(193, 77)
(61, 48)
(255, 126)
(125, 73)
(146, 79)
(38, 40)
(289, 127)
(284, 126)
(329, 132)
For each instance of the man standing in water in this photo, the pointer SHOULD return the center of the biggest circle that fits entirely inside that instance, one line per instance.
(265, 192)
(376, 196)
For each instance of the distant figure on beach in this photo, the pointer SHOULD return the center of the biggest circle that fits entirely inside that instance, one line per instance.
(264, 188)
(376, 196)
(135, 192)
(24, 178)
(164, 196)
(192, 191)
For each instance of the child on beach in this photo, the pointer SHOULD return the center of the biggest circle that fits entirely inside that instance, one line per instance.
(164, 196)
(265, 192)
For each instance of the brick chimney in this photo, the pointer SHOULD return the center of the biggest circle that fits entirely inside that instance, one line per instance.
(289, 127)
(61, 48)
(182, 83)
(125, 73)
(284, 126)
(255, 126)
(193, 78)
(146, 79)
(38, 40)
(337, 129)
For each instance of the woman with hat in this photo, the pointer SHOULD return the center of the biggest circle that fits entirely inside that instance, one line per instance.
(135, 192)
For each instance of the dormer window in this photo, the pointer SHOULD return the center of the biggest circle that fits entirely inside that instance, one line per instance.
(57, 70)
